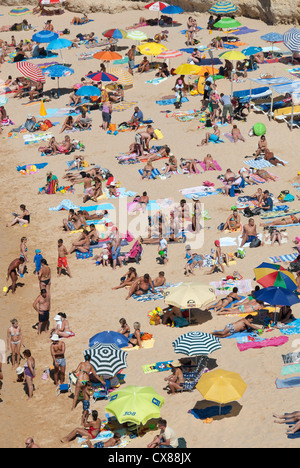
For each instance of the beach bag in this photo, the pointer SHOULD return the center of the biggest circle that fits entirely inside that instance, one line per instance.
(247, 212)
(146, 336)
(221, 226)
(181, 322)
(255, 243)
(256, 211)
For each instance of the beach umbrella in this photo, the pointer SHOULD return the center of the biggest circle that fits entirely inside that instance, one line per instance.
(135, 404)
(59, 44)
(223, 8)
(151, 48)
(18, 11)
(233, 55)
(115, 33)
(88, 91)
(187, 69)
(106, 358)
(109, 337)
(221, 386)
(107, 55)
(58, 71)
(291, 39)
(51, 2)
(156, 6)
(276, 296)
(271, 274)
(196, 343)
(272, 37)
(44, 37)
(169, 54)
(190, 295)
(137, 36)
(124, 77)
(251, 50)
(227, 23)
(102, 76)
(31, 71)
(172, 10)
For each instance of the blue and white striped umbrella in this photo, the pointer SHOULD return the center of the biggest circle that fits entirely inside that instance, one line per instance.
(272, 37)
(196, 343)
(222, 8)
(107, 358)
(291, 39)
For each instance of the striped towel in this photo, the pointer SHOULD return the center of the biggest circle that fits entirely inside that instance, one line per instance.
(284, 258)
(261, 163)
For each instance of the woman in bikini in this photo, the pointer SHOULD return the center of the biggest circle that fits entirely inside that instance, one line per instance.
(29, 371)
(147, 170)
(222, 303)
(176, 380)
(22, 219)
(135, 340)
(90, 430)
(44, 275)
(23, 254)
(14, 341)
(171, 165)
(282, 222)
(264, 175)
(125, 328)
(129, 279)
(209, 163)
(62, 326)
(252, 306)
(83, 372)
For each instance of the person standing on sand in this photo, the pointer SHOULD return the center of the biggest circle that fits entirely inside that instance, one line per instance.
(62, 258)
(131, 56)
(42, 306)
(44, 276)
(29, 371)
(82, 372)
(57, 350)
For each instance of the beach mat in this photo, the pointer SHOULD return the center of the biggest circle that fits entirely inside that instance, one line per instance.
(291, 382)
(210, 412)
(168, 102)
(276, 341)
(283, 258)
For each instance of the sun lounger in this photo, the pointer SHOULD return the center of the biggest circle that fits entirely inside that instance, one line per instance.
(285, 114)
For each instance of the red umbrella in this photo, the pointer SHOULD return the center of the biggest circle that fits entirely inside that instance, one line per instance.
(102, 76)
(31, 71)
(50, 2)
(156, 6)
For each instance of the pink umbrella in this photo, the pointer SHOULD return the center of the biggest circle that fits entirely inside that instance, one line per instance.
(168, 54)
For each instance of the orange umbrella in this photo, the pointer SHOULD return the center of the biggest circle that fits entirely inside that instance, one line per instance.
(107, 55)
(207, 68)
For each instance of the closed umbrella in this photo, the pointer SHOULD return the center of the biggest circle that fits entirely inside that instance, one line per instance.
(31, 71)
(107, 55)
(223, 8)
(227, 23)
(270, 274)
(88, 91)
(221, 386)
(172, 10)
(58, 71)
(109, 337)
(106, 358)
(196, 343)
(44, 37)
(135, 404)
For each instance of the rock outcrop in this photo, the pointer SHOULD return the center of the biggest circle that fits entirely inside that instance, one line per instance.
(269, 11)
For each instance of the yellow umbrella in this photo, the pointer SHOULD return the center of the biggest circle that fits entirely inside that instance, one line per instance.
(151, 48)
(187, 69)
(124, 77)
(221, 386)
(233, 55)
(207, 69)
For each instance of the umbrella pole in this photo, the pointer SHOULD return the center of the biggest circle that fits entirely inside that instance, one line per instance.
(58, 86)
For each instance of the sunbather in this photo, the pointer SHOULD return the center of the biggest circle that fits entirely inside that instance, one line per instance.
(233, 222)
(264, 174)
(215, 136)
(171, 165)
(147, 170)
(144, 66)
(77, 20)
(225, 301)
(128, 279)
(141, 286)
(261, 146)
(253, 306)
(82, 244)
(292, 219)
(269, 156)
(289, 418)
(209, 162)
(188, 165)
(68, 124)
(236, 134)
(239, 326)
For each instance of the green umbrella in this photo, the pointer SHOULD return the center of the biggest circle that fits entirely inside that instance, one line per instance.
(135, 404)
(259, 129)
(227, 23)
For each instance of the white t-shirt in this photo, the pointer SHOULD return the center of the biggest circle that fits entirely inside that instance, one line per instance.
(170, 434)
(163, 244)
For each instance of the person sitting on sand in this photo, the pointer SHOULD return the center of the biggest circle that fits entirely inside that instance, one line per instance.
(90, 430)
(144, 66)
(188, 165)
(160, 280)
(261, 146)
(162, 36)
(225, 301)
(141, 286)
(147, 171)
(125, 328)
(289, 418)
(135, 339)
(230, 179)
(233, 222)
(171, 165)
(176, 379)
(244, 324)
(166, 438)
(82, 244)
(74, 221)
(249, 232)
(128, 279)
(215, 136)
(21, 219)
(236, 134)
(163, 72)
(118, 95)
(209, 163)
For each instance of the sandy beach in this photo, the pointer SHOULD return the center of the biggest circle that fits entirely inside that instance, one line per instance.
(87, 298)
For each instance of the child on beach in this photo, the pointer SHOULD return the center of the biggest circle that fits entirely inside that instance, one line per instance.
(62, 258)
(37, 260)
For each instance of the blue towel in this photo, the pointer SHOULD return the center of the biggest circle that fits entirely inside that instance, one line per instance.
(211, 411)
(38, 166)
(167, 102)
(288, 383)
(155, 172)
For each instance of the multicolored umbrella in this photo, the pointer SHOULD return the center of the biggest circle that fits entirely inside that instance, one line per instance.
(269, 274)
(168, 54)
(291, 39)
(18, 11)
(223, 8)
(102, 76)
(107, 359)
(196, 343)
(107, 55)
(31, 71)
(115, 33)
(43, 37)
(135, 404)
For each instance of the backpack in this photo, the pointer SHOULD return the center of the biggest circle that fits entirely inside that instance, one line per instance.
(247, 212)
(255, 243)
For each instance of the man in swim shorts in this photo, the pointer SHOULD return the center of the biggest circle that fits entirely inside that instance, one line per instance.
(239, 326)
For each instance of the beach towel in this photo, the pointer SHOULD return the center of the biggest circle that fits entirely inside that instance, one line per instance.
(218, 167)
(84, 255)
(290, 369)
(242, 30)
(230, 137)
(31, 168)
(123, 105)
(261, 163)
(291, 358)
(276, 341)
(168, 102)
(284, 258)
(210, 412)
(65, 205)
(288, 383)
(279, 211)
(157, 367)
(154, 173)
(244, 286)
(292, 328)
(158, 294)
(156, 81)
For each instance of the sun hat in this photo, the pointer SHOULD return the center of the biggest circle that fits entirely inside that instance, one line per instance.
(176, 363)
(58, 317)
(38, 251)
(196, 197)
(19, 370)
(217, 242)
(188, 247)
(55, 337)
